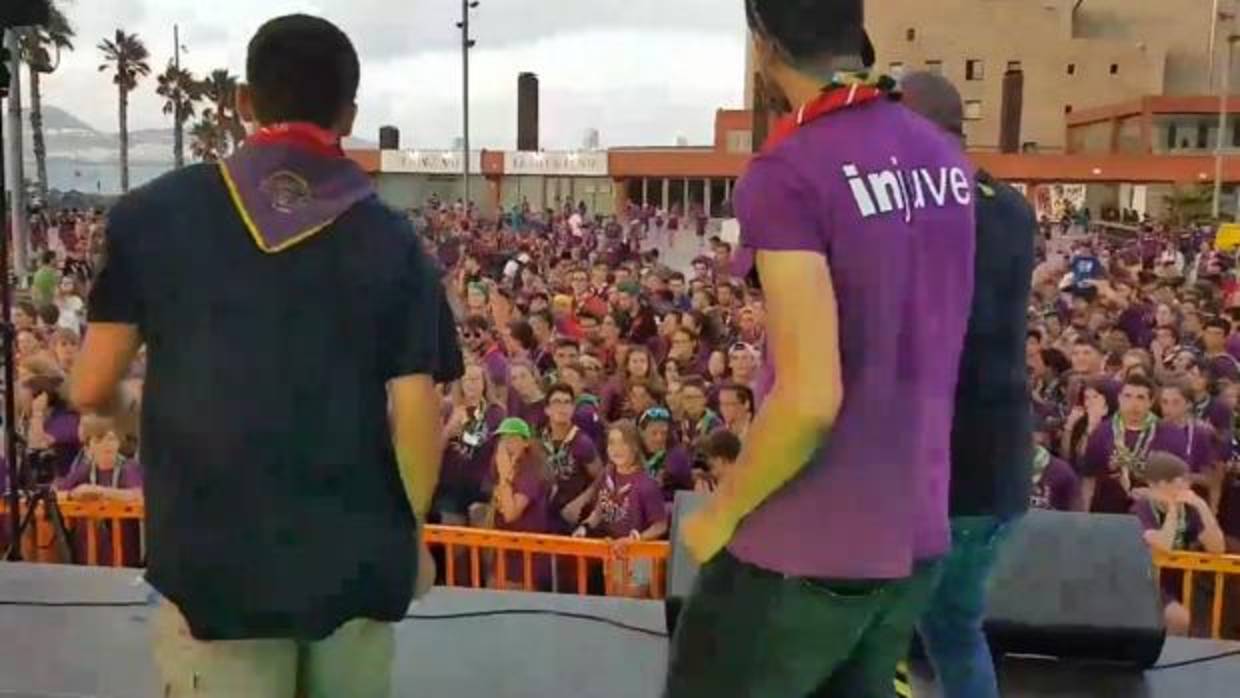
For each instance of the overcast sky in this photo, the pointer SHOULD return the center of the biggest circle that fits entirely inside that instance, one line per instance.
(641, 71)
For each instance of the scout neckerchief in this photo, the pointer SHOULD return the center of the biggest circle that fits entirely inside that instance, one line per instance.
(1180, 541)
(1132, 459)
(655, 463)
(1041, 459)
(116, 472)
(847, 90)
(300, 135)
(1201, 407)
(558, 457)
(475, 432)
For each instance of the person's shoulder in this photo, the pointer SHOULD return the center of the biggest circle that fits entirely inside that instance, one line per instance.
(167, 191)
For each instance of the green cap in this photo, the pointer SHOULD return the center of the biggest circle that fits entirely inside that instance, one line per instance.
(514, 426)
(630, 287)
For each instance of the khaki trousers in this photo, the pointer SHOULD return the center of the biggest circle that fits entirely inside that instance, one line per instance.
(354, 662)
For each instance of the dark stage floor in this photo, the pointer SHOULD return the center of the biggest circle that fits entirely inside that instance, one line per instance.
(74, 651)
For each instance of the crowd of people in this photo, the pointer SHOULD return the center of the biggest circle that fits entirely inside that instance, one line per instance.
(601, 381)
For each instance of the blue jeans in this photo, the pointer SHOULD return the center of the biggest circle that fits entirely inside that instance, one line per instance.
(951, 628)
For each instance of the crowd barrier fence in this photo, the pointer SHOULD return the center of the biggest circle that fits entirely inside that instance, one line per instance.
(482, 558)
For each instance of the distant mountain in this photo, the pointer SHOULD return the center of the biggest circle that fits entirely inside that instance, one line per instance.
(69, 138)
(82, 158)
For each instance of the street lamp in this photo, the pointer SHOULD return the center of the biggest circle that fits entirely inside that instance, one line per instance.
(1222, 125)
(466, 44)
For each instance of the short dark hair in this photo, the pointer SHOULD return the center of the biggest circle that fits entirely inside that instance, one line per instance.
(1164, 467)
(49, 257)
(721, 444)
(1220, 323)
(49, 314)
(809, 31)
(1140, 380)
(561, 389)
(743, 393)
(301, 68)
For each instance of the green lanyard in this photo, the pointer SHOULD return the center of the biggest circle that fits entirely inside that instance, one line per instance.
(1133, 460)
(116, 474)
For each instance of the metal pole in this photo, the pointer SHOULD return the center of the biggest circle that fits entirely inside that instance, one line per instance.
(465, 75)
(17, 178)
(6, 344)
(1222, 130)
(1213, 42)
(176, 94)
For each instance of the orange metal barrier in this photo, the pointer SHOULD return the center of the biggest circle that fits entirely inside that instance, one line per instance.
(1225, 571)
(549, 563)
(100, 532)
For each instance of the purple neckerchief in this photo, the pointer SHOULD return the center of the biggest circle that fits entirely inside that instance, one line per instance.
(286, 194)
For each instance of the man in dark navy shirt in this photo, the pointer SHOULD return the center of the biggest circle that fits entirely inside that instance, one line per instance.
(295, 332)
(992, 461)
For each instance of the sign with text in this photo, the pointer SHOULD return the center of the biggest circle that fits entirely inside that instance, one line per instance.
(429, 161)
(558, 164)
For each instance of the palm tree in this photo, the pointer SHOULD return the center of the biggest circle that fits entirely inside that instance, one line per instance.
(57, 33)
(206, 139)
(126, 55)
(180, 91)
(220, 88)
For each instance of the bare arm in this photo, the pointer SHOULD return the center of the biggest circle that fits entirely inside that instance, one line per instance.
(1163, 539)
(655, 532)
(417, 437)
(1088, 485)
(1211, 539)
(103, 363)
(803, 332)
(509, 503)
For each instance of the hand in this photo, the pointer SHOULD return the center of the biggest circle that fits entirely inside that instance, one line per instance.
(39, 404)
(86, 492)
(571, 513)
(426, 570)
(580, 532)
(1190, 498)
(635, 535)
(504, 464)
(706, 532)
(1076, 414)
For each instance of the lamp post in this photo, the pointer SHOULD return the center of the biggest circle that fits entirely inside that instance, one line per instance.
(466, 44)
(1219, 142)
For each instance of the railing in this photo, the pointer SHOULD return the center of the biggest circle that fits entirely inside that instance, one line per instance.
(467, 557)
(1222, 568)
(480, 558)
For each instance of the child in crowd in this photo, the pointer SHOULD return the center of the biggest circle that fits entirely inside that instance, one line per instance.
(720, 450)
(1175, 518)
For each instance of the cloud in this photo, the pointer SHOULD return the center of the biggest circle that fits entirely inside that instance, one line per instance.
(641, 71)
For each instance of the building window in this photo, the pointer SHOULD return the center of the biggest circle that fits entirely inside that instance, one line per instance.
(897, 70)
(935, 67)
(1203, 135)
(1067, 109)
(1030, 147)
(1071, 69)
(911, 34)
(1115, 68)
(1235, 134)
(1013, 66)
(974, 69)
(973, 110)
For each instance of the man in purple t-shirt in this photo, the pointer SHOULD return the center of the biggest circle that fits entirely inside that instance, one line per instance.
(821, 544)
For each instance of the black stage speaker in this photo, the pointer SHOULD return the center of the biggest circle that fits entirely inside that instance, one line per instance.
(1077, 586)
(1067, 586)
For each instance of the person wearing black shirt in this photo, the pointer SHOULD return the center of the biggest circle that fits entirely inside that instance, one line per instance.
(295, 331)
(992, 460)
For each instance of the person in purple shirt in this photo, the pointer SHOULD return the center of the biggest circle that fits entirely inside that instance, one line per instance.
(1185, 436)
(1214, 340)
(668, 463)
(520, 501)
(471, 418)
(628, 503)
(1175, 518)
(102, 473)
(1055, 484)
(525, 396)
(1208, 404)
(1116, 455)
(572, 458)
(54, 426)
(859, 218)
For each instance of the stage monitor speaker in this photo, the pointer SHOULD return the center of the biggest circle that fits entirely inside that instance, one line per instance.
(1066, 586)
(1077, 586)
